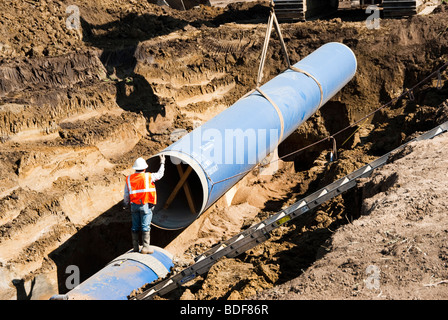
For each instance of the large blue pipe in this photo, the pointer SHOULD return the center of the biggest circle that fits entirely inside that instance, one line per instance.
(122, 275)
(226, 147)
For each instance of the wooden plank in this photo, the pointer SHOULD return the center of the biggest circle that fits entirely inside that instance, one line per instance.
(187, 190)
(177, 188)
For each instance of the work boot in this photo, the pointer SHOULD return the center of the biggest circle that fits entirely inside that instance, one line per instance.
(146, 249)
(135, 241)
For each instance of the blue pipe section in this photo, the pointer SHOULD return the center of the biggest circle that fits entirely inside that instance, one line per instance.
(121, 276)
(229, 145)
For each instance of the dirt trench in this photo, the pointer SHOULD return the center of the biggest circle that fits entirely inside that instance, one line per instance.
(77, 108)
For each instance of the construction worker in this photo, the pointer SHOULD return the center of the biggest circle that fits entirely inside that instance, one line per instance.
(140, 193)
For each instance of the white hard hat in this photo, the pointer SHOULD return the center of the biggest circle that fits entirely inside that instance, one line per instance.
(140, 164)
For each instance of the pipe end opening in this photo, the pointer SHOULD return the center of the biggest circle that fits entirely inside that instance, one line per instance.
(181, 193)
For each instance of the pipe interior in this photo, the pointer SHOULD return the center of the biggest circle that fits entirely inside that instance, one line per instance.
(178, 215)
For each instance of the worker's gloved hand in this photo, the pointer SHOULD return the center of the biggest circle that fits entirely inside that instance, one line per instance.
(162, 159)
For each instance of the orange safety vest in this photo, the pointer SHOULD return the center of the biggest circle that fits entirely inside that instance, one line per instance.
(141, 189)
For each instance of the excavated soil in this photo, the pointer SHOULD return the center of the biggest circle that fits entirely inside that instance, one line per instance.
(397, 248)
(77, 108)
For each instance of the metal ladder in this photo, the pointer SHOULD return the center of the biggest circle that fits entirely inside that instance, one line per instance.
(259, 233)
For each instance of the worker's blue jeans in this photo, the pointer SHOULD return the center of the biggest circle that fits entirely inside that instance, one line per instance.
(141, 217)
